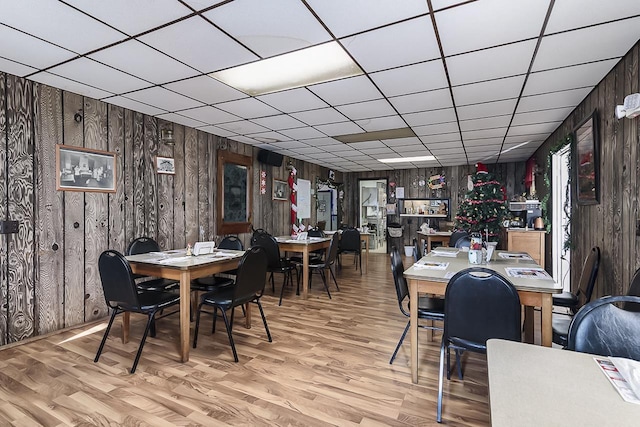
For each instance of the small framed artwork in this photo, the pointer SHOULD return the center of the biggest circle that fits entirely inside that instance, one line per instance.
(84, 169)
(586, 161)
(280, 190)
(165, 165)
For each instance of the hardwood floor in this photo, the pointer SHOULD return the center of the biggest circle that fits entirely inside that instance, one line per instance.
(328, 364)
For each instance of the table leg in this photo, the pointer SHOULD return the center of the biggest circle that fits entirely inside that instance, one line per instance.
(413, 331)
(546, 314)
(126, 320)
(305, 272)
(366, 256)
(185, 307)
(528, 324)
(247, 315)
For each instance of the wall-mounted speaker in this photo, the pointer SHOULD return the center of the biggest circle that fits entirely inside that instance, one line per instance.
(270, 158)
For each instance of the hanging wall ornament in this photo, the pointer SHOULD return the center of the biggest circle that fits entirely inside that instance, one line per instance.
(294, 207)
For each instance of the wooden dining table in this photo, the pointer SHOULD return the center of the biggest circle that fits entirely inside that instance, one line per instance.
(441, 237)
(533, 290)
(304, 247)
(176, 265)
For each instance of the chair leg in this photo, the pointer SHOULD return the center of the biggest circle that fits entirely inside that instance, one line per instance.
(404, 334)
(273, 285)
(233, 346)
(324, 281)
(282, 290)
(448, 363)
(440, 383)
(264, 319)
(106, 334)
(144, 339)
(459, 363)
(360, 262)
(215, 317)
(195, 332)
(334, 279)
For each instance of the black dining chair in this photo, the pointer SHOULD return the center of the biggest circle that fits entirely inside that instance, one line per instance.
(314, 256)
(560, 322)
(123, 295)
(479, 304)
(143, 245)
(428, 308)
(602, 328)
(321, 266)
(457, 235)
(209, 283)
(350, 243)
(418, 250)
(250, 282)
(275, 263)
(256, 233)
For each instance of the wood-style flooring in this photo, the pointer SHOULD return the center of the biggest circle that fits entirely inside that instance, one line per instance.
(328, 365)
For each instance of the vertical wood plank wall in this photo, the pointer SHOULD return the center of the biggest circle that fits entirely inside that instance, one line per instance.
(612, 225)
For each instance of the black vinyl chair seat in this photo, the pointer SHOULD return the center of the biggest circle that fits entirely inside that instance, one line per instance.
(560, 325)
(565, 299)
(210, 283)
(350, 243)
(122, 295)
(143, 245)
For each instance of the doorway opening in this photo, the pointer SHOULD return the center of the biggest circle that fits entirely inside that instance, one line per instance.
(373, 212)
(561, 198)
(327, 208)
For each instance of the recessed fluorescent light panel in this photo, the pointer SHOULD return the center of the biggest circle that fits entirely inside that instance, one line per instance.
(316, 64)
(407, 159)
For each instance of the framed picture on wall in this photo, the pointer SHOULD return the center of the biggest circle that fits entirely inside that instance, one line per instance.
(83, 169)
(586, 161)
(165, 165)
(280, 190)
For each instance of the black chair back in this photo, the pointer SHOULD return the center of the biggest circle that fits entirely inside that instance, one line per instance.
(463, 242)
(251, 276)
(455, 236)
(350, 240)
(231, 243)
(271, 248)
(634, 291)
(117, 279)
(604, 329)
(142, 245)
(397, 269)
(588, 276)
(256, 233)
(315, 232)
(333, 250)
(480, 304)
(418, 251)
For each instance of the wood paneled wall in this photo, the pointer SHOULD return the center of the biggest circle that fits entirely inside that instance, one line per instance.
(611, 224)
(49, 276)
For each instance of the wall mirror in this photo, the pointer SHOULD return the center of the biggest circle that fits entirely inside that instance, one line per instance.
(586, 161)
(235, 193)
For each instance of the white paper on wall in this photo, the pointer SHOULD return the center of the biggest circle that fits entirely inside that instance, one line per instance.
(304, 199)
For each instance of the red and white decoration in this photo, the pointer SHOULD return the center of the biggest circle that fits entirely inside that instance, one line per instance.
(263, 182)
(294, 208)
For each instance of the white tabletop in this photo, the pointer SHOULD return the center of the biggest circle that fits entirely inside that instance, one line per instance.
(461, 262)
(530, 385)
(179, 259)
(436, 233)
(308, 241)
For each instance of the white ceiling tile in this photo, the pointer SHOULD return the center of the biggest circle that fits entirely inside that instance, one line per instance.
(344, 18)
(422, 101)
(569, 14)
(131, 104)
(441, 128)
(367, 109)
(199, 44)
(510, 141)
(15, 68)
(485, 142)
(206, 89)
(59, 24)
(289, 145)
(269, 137)
(486, 109)
(243, 127)
(441, 4)
(269, 28)
(133, 17)
(382, 123)
(279, 122)
(397, 142)
(367, 144)
(485, 123)
(320, 117)
(341, 148)
(492, 90)
(308, 150)
(180, 119)
(430, 117)
(342, 128)
(303, 133)
(322, 142)
(70, 85)
(163, 98)
(378, 151)
(589, 44)
(293, 100)
(411, 78)
(486, 23)
(346, 91)
(534, 129)
(92, 73)
(248, 108)
(209, 115)
(440, 138)
(246, 140)
(215, 130)
(355, 154)
(142, 61)
(28, 50)
(403, 149)
(400, 44)
(485, 133)
(502, 61)
(568, 77)
(553, 115)
(567, 98)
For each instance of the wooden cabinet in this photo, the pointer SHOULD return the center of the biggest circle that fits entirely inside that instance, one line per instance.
(531, 242)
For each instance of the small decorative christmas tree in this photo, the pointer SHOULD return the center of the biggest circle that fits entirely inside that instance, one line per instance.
(484, 205)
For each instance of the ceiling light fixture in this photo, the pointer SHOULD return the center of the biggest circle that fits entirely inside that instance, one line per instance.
(316, 64)
(407, 159)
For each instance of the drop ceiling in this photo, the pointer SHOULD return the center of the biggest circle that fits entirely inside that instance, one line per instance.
(484, 80)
